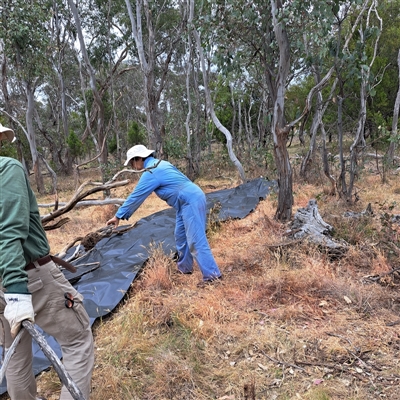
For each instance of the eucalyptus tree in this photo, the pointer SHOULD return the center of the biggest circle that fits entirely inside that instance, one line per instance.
(327, 51)
(157, 28)
(395, 120)
(191, 171)
(353, 73)
(98, 102)
(60, 93)
(271, 34)
(210, 109)
(268, 37)
(25, 41)
(103, 50)
(326, 13)
(383, 108)
(372, 31)
(63, 86)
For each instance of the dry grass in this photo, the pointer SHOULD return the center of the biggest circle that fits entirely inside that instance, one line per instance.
(285, 323)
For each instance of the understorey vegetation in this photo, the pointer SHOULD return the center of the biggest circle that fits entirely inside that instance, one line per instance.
(288, 321)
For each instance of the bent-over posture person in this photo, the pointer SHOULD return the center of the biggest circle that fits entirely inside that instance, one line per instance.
(181, 193)
(34, 288)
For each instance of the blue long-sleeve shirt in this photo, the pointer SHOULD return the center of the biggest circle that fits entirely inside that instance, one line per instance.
(165, 180)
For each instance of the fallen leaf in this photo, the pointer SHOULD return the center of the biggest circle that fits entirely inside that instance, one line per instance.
(228, 389)
(263, 367)
(347, 300)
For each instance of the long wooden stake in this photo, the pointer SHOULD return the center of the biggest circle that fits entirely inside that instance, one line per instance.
(55, 361)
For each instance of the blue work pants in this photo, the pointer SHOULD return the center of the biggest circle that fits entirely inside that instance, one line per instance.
(190, 234)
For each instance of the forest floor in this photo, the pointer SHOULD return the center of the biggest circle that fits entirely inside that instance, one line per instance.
(286, 322)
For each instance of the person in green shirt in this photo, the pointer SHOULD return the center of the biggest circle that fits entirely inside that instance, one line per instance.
(34, 288)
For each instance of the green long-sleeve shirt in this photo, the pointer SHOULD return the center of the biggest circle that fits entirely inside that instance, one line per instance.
(22, 237)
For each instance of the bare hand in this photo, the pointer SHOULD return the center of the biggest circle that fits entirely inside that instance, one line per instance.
(113, 221)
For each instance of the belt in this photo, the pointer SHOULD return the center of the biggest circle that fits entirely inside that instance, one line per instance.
(46, 259)
(40, 261)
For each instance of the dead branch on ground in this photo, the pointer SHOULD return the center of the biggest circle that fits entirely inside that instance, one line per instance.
(85, 203)
(377, 278)
(81, 194)
(90, 240)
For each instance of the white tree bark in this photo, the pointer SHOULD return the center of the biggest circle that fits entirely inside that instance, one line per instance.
(359, 140)
(210, 108)
(392, 146)
(31, 136)
(97, 99)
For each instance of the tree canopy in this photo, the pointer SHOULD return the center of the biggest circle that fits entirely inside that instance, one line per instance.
(85, 83)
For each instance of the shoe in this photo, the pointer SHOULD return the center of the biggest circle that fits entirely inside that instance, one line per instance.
(179, 272)
(207, 282)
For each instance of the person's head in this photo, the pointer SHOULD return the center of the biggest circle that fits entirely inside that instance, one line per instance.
(6, 134)
(136, 155)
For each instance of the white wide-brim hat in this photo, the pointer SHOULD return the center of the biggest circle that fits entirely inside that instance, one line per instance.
(6, 133)
(137, 151)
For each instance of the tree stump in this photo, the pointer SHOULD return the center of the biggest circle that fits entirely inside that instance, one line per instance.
(309, 225)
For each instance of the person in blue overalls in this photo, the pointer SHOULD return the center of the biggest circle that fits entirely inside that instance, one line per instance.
(181, 193)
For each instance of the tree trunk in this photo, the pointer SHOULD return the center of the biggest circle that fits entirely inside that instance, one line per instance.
(392, 146)
(189, 160)
(308, 160)
(147, 60)
(325, 162)
(210, 108)
(97, 99)
(65, 160)
(359, 140)
(280, 132)
(32, 137)
(342, 177)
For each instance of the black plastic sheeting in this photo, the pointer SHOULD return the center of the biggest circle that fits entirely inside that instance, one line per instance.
(122, 255)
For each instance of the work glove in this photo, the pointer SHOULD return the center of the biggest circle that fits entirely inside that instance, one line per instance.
(19, 307)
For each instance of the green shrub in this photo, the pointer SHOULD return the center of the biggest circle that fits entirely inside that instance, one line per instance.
(136, 134)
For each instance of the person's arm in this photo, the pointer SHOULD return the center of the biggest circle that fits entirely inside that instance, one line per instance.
(146, 185)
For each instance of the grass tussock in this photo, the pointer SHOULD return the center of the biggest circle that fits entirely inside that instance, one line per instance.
(288, 321)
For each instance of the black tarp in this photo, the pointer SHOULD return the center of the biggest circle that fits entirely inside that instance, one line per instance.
(121, 256)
